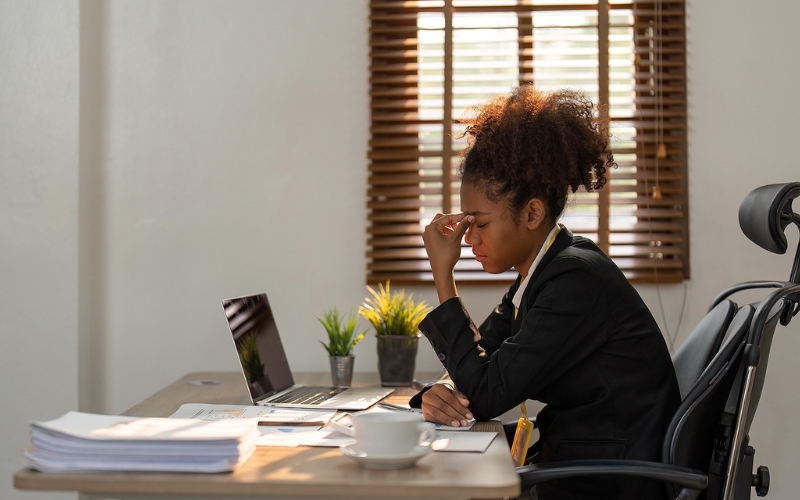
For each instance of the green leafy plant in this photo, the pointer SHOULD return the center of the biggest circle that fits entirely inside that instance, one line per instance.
(342, 336)
(393, 313)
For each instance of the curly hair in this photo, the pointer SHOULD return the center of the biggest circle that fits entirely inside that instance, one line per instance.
(531, 144)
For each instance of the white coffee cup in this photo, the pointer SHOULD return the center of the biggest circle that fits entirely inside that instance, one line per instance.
(392, 433)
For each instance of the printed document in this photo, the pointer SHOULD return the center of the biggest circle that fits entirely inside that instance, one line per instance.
(272, 415)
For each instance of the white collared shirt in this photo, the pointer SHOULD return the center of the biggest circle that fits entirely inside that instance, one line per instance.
(517, 299)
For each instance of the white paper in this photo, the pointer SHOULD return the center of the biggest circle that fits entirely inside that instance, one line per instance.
(463, 441)
(269, 415)
(302, 436)
(96, 427)
(406, 408)
(90, 442)
(442, 427)
(46, 464)
(329, 438)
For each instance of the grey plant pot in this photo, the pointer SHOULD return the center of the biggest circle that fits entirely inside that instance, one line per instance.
(342, 370)
(397, 359)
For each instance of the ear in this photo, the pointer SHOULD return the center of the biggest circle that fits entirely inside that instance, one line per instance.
(534, 213)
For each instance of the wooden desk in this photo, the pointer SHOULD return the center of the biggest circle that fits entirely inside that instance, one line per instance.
(302, 472)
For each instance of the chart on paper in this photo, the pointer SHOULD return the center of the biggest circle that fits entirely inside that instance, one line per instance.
(265, 415)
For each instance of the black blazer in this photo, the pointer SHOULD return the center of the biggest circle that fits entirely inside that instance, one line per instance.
(583, 343)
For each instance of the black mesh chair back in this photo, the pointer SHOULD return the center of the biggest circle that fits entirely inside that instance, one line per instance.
(764, 215)
(772, 318)
(721, 463)
(701, 345)
(689, 440)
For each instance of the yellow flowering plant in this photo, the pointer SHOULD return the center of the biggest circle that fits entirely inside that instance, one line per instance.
(393, 313)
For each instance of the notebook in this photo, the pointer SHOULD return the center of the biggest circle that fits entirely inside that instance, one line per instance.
(266, 369)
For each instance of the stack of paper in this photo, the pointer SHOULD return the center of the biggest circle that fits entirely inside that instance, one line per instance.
(89, 442)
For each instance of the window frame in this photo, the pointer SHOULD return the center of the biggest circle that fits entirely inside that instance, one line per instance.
(656, 247)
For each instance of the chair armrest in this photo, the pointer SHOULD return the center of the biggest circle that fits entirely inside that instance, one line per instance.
(692, 481)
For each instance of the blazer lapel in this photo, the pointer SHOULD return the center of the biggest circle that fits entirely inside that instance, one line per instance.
(515, 325)
(562, 242)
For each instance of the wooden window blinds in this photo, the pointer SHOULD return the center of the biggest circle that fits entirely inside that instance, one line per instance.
(432, 59)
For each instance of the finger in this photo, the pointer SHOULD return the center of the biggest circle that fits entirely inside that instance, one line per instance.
(448, 219)
(446, 406)
(461, 398)
(462, 226)
(439, 221)
(436, 218)
(448, 223)
(435, 411)
(459, 401)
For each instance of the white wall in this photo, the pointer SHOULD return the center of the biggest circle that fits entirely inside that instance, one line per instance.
(233, 159)
(38, 221)
(743, 132)
(201, 150)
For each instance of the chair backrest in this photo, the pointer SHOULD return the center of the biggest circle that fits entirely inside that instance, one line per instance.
(765, 344)
(689, 440)
(727, 443)
(764, 215)
(693, 356)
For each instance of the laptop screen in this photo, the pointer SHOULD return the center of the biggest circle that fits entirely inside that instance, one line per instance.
(258, 345)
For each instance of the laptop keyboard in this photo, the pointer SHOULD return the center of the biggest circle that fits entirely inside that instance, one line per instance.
(308, 395)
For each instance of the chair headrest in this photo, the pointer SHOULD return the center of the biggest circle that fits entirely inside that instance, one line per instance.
(760, 215)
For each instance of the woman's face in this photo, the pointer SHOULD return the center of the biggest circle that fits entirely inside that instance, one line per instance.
(498, 242)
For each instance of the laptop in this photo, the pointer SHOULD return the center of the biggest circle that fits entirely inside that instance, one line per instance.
(265, 367)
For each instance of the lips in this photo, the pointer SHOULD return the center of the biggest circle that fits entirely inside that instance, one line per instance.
(479, 257)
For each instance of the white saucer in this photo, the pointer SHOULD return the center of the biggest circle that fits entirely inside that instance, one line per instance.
(384, 461)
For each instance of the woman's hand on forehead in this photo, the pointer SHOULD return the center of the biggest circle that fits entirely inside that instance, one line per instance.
(442, 238)
(448, 222)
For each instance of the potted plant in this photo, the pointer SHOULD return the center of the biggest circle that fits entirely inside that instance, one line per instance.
(342, 338)
(396, 318)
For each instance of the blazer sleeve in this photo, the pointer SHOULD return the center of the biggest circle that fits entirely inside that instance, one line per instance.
(565, 323)
(497, 326)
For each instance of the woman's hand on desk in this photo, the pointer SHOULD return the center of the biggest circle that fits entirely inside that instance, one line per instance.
(446, 405)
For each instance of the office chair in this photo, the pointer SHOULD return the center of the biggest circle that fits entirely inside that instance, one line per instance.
(726, 394)
(763, 217)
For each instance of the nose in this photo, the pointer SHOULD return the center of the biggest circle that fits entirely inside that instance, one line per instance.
(470, 237)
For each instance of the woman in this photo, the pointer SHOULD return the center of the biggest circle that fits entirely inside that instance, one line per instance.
(571, 332)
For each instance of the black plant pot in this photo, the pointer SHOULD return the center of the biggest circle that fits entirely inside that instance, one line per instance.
(397, 359)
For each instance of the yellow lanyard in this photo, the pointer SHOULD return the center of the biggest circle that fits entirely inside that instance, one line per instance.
(522, 436)
(539, 258)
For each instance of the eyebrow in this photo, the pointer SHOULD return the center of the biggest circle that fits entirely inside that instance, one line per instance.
(477, 212)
